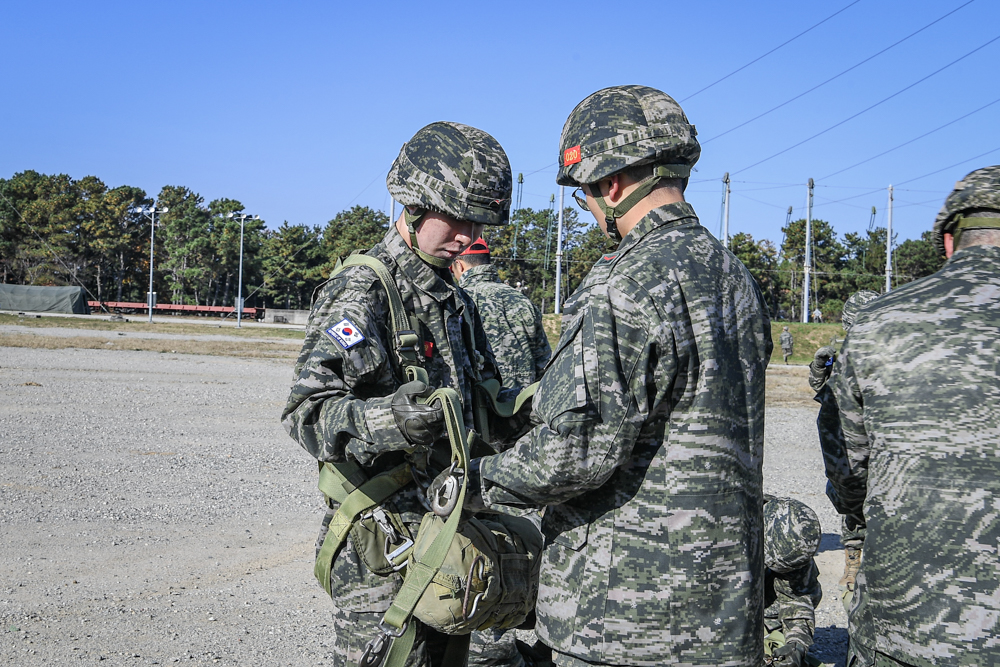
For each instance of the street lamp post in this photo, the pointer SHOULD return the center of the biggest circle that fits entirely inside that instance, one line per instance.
(239, 295)
(150, 212)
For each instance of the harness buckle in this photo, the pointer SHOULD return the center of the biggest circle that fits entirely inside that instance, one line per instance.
(378, 648)
(391, 556)
(444, 498)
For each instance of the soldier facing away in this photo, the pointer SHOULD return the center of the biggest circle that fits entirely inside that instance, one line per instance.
(649, 451)
(835, 462)
(513, 324)
(918, 385)
(787, 342)
(350, 402)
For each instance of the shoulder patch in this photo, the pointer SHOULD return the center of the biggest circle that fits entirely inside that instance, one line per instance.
(608, 258)
(345, 333)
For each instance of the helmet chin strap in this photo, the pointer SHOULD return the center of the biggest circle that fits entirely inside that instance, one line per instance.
(612, 213)
(412, 217)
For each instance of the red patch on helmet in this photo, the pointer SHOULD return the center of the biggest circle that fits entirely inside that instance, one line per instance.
(572, 155)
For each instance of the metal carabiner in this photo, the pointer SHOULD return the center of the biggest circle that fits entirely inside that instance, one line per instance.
(378, 648)
(444, 500)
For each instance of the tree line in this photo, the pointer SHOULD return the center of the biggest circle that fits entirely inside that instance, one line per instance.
(57, 230)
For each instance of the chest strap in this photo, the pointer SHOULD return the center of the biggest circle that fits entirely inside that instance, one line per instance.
(403, 335)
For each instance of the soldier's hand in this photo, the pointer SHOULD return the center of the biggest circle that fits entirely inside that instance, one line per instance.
(821, 366)
(792, 654)
(420, 424)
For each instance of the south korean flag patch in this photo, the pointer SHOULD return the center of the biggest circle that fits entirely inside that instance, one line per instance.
(345, 333)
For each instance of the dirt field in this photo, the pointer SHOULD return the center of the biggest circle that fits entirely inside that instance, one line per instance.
(155, 512)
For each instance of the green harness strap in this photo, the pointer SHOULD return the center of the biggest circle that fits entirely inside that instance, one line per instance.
(335, 484)
(420, 572)
(491, 388)
(406, 338)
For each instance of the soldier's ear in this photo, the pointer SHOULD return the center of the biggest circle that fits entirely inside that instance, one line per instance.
(949, 245)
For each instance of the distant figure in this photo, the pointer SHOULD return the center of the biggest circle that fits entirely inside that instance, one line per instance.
(817, 315)
(918, 386)
(513, 324)
(787, 343)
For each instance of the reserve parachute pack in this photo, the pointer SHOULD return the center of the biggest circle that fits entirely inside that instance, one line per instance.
(459, 574)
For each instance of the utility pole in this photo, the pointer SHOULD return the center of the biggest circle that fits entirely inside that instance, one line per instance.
(517, 207)
(808, 262)
(150, 212)
(559, 237)
(888, 248)
(725, 215)
(392, 212)
(239, 294)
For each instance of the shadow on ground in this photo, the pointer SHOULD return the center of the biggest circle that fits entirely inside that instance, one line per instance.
(830, 542)
(830, 645)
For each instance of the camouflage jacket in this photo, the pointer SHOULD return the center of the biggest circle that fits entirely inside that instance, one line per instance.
(339, 402)
(844, 488)
(649, 456)
(786, 340)
(918, 388)
(513, 326)
(790, 599)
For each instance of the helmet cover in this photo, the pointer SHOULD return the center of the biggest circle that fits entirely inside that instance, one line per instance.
(621, 127)
(456, 170)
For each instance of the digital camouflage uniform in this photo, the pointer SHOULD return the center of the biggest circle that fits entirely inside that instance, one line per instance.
(787, 343)
(649, 449)
(513, 325)
(843, 489)
(649, 456)
(918, 388)
(339, 406)
(792, 591)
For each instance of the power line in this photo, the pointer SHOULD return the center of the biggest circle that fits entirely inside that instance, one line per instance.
(911, 140)
(783, 44)
(880, 102)
(994, 150)
(837, 76)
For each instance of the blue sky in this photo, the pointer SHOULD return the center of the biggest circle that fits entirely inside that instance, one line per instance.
(297, 109)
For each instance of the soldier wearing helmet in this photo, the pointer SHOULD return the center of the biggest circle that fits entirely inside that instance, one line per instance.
(841, 484)
(350, 401)
(513, 324)
(792, 591)
(917, 384)
(649, 448)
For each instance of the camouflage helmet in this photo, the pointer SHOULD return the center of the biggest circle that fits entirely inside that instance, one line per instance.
(456, 170)
(854, 304)
(791, 534)
(969, 206)
(621, 127)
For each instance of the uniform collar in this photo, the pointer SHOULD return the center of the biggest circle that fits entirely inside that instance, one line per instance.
(976, 254)
(664, 215)
(486, 273)
(420, 273)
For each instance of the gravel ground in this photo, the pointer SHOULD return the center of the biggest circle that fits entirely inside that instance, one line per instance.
(155, 512)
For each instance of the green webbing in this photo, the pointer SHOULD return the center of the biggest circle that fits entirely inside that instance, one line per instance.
(420, 572)
(411, 220)
(406, 338)
(334, 484)
(491, 388)
(611, 213)
(973, 222)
